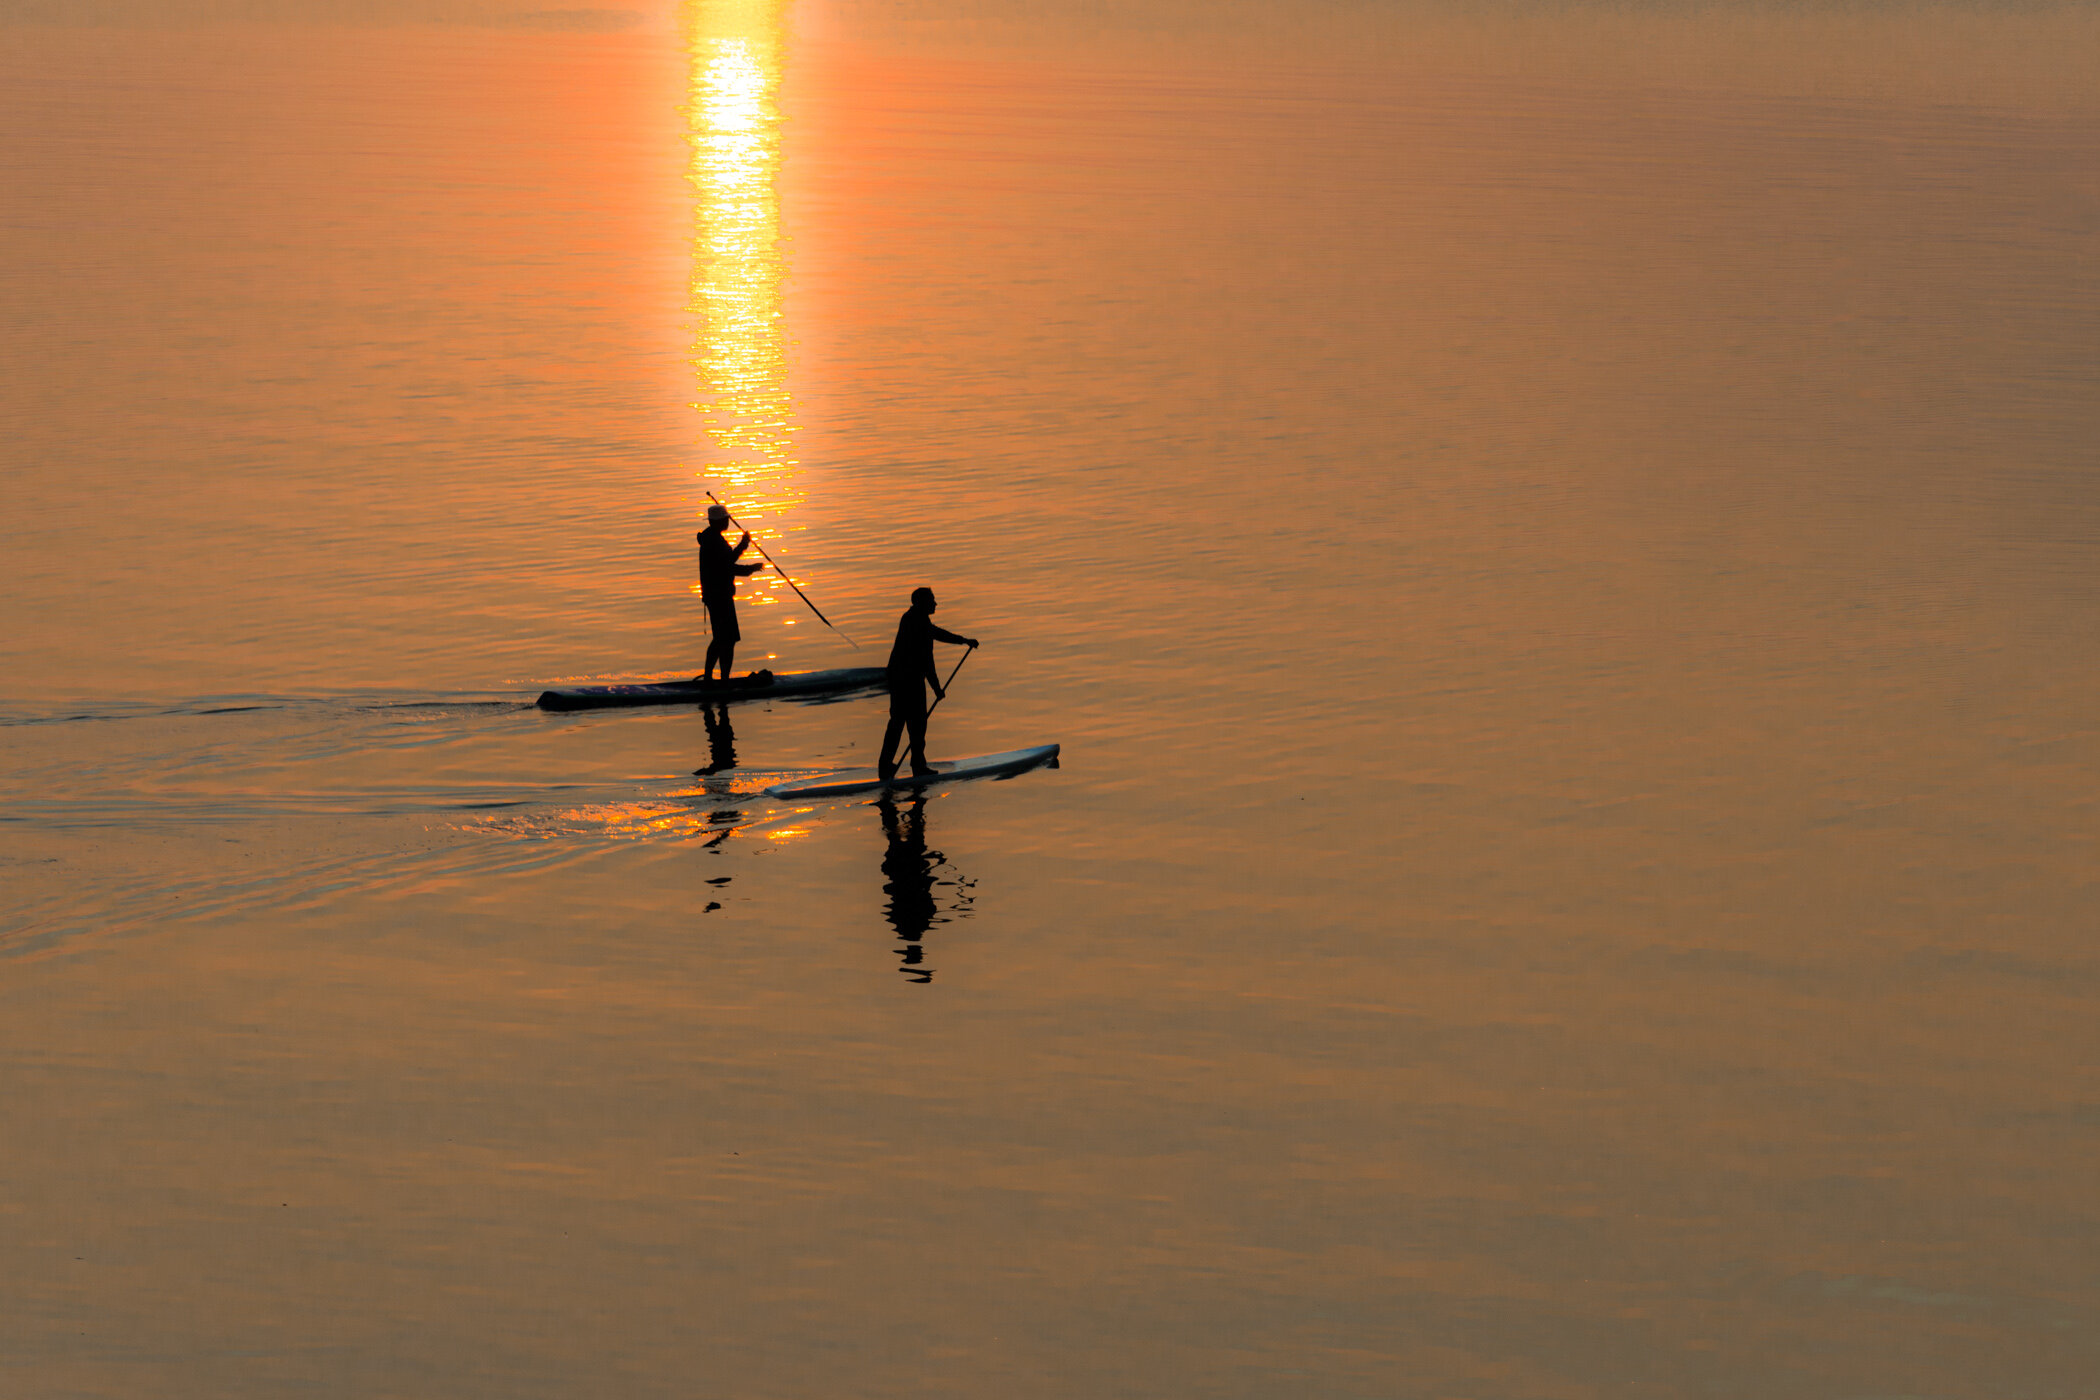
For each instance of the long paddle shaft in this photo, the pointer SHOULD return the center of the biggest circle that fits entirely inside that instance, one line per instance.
(950, 681)
(790, 582)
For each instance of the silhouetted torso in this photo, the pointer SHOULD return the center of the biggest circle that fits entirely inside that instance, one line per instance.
(719, 569)
(911, 655)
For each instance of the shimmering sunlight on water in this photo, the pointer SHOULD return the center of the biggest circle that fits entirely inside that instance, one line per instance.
(739, 262)
(1559, 549)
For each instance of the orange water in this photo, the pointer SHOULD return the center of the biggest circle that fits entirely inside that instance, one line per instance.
(1560, 551)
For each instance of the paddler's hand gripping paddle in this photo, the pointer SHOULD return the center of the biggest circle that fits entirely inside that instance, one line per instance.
(951, 679)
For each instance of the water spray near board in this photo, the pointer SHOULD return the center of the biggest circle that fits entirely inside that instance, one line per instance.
(906, 676)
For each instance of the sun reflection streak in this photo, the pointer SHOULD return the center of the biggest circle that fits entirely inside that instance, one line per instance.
(694, 814)
(739, 268)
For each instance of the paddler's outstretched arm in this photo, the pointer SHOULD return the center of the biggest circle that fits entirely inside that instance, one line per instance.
(942, 634)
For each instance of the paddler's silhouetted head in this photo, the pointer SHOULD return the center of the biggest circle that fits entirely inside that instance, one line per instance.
(718, 514)
(922, 599)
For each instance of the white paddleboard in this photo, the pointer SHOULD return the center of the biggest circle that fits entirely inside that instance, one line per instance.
(860, 780)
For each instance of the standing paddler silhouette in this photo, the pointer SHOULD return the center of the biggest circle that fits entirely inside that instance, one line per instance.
(719, 571)
(726, 518)
(911, 671)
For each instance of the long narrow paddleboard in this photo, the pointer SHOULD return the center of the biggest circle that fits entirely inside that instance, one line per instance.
(991, 765)
(794, 683)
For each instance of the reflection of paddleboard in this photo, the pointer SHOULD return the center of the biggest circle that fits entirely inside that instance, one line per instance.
(594, 697)
(991, 765)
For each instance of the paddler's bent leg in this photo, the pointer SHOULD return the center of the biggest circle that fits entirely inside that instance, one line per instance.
(917, 725)
(886, 766)
(721, 617)
(907, 714)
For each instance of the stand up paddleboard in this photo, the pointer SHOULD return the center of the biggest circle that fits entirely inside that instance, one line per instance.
(795, 684)
(991, 765)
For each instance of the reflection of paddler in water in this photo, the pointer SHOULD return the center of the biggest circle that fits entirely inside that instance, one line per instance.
(721, 757)
(721, 741)
(719, 571)
(909, 868)
(911, 671)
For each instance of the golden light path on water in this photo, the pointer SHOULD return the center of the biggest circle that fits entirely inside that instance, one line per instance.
(740, 346)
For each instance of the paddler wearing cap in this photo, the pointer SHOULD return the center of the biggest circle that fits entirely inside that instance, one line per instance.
(719, 571)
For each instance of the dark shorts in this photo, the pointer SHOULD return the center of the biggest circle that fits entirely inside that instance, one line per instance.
(908, 697)
(721, 619)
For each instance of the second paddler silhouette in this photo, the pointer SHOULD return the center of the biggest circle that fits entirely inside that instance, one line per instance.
(911, 671)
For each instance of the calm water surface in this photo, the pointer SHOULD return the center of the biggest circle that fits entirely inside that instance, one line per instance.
(1562, 560)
